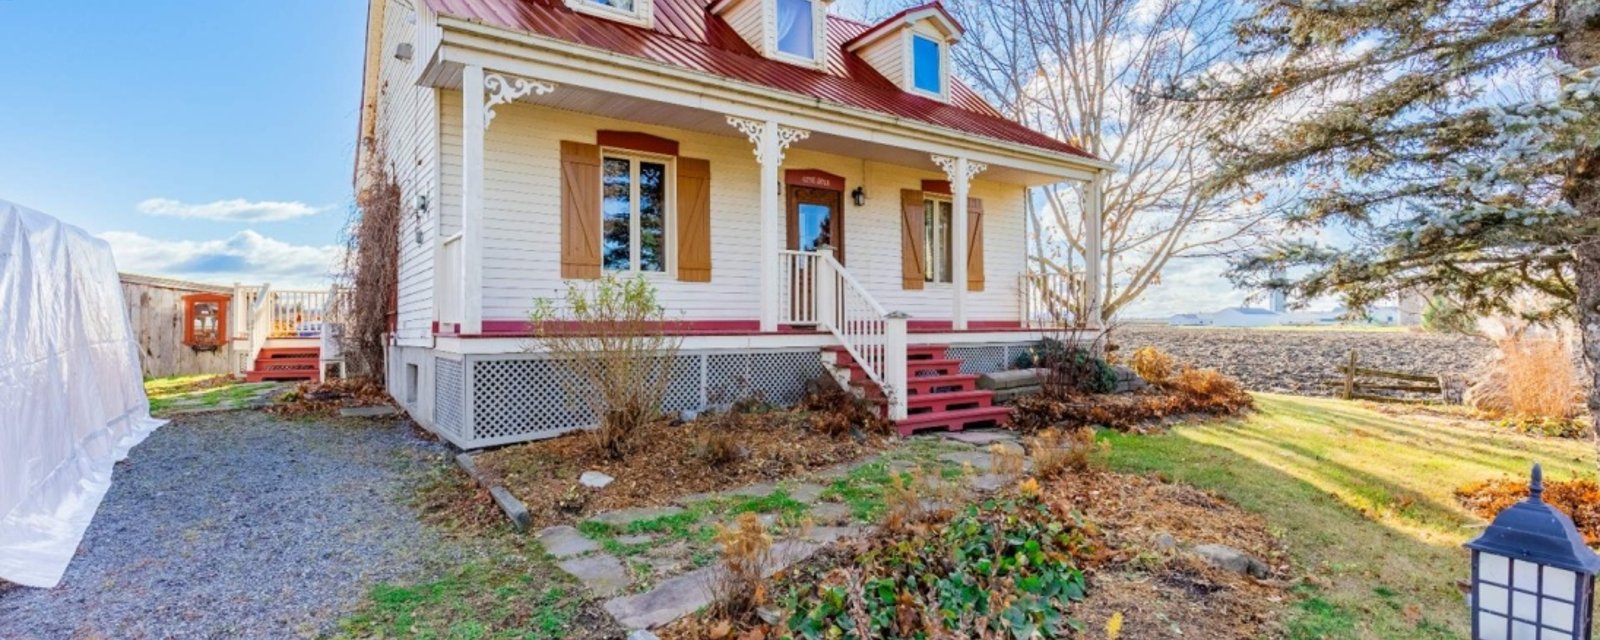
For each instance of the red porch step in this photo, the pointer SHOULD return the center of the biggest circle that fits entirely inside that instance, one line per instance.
(286, 365)
(938, 395)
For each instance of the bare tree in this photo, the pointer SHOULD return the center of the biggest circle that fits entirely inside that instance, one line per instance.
(1093, 72)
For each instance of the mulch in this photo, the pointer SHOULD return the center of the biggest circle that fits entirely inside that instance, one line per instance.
(774, 445)
(1172, 594)
(1579, 498)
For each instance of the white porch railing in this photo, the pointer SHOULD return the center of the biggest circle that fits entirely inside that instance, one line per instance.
(1051, 300)
(260, 325)
(447, 298)
(335, 313)
(298, 314)
(817, 290)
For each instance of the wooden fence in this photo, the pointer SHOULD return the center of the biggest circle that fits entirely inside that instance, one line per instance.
(155, 308)
(1357, 383)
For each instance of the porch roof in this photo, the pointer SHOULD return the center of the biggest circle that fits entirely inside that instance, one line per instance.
(687, 36)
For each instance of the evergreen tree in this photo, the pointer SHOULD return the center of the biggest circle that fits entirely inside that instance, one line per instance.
(1446, 145)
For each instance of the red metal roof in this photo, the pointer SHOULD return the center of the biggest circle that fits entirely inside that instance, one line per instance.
(686, 35)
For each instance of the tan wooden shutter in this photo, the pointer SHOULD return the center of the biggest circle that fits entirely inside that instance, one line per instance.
(974, 244)
(913, 252)
(694, 220)
(580, 210)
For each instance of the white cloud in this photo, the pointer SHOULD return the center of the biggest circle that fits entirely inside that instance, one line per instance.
(246, 257)
(1188, 285)
(236, 210)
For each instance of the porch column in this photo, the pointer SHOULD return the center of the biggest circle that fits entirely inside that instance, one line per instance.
(771, 141)
(474, 127)
(1094, 231)
(480, 93)
(960, 171)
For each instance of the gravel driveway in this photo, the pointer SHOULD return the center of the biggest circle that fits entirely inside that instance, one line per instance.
(238, 525)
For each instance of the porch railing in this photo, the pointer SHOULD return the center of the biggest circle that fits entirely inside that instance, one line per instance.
(298, 314)
(1051, 300)
(260, 326)
(447, 299)
(817, 290)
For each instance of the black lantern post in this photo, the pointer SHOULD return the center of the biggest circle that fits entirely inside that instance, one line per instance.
(1532, 574)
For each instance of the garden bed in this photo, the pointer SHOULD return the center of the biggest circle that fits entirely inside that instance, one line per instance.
(671, 463)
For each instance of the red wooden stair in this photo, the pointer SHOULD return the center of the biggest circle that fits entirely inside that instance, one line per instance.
(286, 364)
(939, 396)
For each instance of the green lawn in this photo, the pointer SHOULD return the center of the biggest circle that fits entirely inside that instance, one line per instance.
(1363, 500)
(199, 392)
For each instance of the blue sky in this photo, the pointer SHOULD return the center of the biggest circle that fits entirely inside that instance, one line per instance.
(213, 140)
(206, 139)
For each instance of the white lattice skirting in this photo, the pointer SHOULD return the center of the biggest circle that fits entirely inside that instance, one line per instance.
(483, 401)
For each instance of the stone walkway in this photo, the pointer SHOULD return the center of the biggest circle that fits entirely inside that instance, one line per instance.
(658, 564)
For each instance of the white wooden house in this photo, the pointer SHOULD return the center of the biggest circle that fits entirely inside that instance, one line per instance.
(803, 189)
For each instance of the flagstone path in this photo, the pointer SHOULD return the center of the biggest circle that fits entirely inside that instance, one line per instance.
(658, 564)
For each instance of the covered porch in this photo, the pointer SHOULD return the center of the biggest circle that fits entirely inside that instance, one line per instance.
(800, 278)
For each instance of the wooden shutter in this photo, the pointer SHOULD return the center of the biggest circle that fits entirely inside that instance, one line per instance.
(974, 244)
(694, 220)
(913, 252)
(580, 210)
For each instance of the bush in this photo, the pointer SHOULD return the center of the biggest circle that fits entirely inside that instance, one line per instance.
(1192, 391)
(834, 411)
(739, 586)
(719, 447)
(1153, 365)
(614, 337)
(1209, 390)
(1579, 498)
(1533, 383)
(1071, 369)
(1057, 451)
(1005, 569)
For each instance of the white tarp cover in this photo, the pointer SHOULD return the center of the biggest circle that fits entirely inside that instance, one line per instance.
(72, 401)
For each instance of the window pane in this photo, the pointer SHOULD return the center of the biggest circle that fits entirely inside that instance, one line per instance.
(795, 29)
(652, 216)
(625, 5)
(928, 71)
(617, 213)
(944, 242)
(816, 226)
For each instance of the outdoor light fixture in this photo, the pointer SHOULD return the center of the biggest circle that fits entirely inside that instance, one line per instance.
(859, 196)
(1532, 574)
(419, 207)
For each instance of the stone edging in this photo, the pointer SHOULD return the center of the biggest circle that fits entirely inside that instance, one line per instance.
(513, 508)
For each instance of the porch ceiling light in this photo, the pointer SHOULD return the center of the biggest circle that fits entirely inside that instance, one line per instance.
(1532, 574)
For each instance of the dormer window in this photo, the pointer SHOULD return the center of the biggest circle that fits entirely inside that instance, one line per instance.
(927, 65)
(797, 28)
(636, 12)
(792, 31)
(912, 49)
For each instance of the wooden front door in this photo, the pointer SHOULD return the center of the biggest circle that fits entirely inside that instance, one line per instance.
(816, 218)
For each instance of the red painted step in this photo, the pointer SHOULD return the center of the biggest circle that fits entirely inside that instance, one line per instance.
(931, 384)
(286, 365)
(955, 420)
(915, 369)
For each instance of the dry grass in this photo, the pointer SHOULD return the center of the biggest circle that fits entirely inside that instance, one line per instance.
(1007, 461)
(1539, 376)
(776, 445)
(1057, 451)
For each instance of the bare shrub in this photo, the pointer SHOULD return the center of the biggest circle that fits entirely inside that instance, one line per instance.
(1208, 390)
(371, 266)
(1540, 378)
(837, 412)
(1057, 452)
(719, 447)
(1152, 364)
(615, 338)
(739, 586)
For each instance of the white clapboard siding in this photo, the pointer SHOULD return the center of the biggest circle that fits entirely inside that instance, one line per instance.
(407, 131)
(522, 219)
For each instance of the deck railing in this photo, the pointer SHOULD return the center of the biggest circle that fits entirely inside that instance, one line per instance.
(298, 314)
(260, 325)
(818, 291)
(1051, 300)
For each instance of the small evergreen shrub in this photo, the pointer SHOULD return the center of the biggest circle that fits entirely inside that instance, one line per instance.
(1072, 368)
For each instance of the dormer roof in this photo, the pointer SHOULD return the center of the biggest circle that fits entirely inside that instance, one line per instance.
(934, 13)
(686, 36)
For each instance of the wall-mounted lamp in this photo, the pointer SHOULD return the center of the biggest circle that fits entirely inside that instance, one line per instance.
(419, 207)
(859, 196)
(402, 52)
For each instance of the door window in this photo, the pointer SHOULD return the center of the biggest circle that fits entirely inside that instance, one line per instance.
(936, 217)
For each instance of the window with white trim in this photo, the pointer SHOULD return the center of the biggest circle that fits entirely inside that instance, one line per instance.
(632, 11)
(927, 65)
(635, 209)
(797, 28)
(937, 214)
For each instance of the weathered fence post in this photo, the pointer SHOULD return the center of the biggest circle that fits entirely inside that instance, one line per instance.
(1350, 377)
